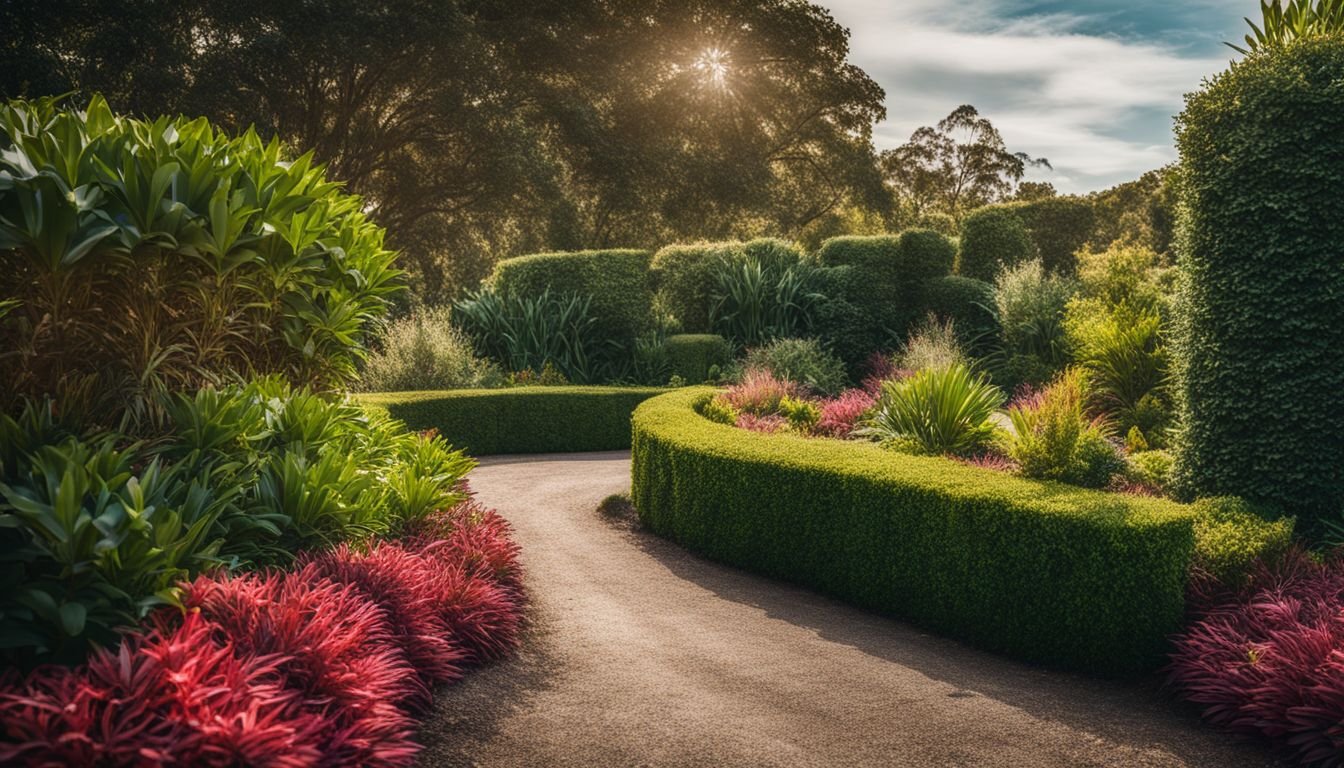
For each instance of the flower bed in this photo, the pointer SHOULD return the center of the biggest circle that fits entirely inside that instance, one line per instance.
(324, 664)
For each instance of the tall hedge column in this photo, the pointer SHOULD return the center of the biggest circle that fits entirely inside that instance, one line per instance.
(1261, 370)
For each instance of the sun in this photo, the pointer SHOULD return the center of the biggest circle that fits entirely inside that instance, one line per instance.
(713, 65)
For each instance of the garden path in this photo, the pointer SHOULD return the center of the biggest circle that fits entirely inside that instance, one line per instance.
(641, 654)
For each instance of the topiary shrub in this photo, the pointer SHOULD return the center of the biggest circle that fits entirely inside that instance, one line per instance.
(1059, 227)
(617, 282)
(925, 254)
(1260, 347)
(697, 357)
(969, 304)
(993, 238)
(143, 258)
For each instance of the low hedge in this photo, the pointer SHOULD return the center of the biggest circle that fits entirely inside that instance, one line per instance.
(1042, 571)
(520, 419)
(618, 282)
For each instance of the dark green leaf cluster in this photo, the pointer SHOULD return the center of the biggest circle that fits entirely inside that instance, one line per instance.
(143, 258)
(1260, 342)
(521, 419)
(1042, 571)
(993, 238)
(698, 357)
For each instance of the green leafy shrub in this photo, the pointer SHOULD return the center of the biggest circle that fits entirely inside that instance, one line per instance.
(968, 304)
(1055, 574)
(1053, 438)
(1059, 227)
(801, 361)
(768, 295)
(1260, 345)
(530, 333)
(698, 358)
(1030, 305)
(934, 344)
(1232, 535)
(1151, 469)
(521, 419)
(843, 326)
(1126, 368)
(993, 239)
(686, 280)
(616, 284)
(801, 415)
(147, 258)
(719, 411)
(425, 351)
(1126, 279)
(97, 532)
(936, 411)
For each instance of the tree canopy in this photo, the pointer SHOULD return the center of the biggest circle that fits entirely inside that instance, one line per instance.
(476, 129)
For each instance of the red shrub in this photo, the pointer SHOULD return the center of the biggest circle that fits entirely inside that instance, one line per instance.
(1269, 659)
(168, 696)
(881, 367)
(769, 424)
(760, 393)
(840, 416)
(476, 538)
(338, 651)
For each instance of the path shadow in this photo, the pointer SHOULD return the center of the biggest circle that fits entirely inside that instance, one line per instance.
(1136, 712)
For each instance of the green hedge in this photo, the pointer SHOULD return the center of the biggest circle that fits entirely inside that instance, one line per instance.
(692, 355)
(617, 281)
(1059, 227)
(1261, 346)
(992, 238)
(968, 303)
(522, 419)
(1043, 571)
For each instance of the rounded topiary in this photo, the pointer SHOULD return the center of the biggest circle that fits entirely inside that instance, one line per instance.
(1260, 361)
(685, 277)
(1059, 227)
(145, 258)
(968, 303)
(926, 254)
(992, 238)
(695, 356)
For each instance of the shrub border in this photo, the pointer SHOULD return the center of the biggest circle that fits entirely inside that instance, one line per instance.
(1042, 571)
(520, 419)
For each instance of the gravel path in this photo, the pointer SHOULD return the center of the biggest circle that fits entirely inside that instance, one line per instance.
(641, 654)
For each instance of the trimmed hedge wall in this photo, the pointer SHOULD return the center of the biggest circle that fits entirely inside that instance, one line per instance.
(693, 354)
(1042, 571)
(1261, 342)
(1059, 226)
(618, 282)
(968, 303)
(992, 238)
(521, 419)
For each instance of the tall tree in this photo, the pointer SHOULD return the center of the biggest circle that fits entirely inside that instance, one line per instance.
(956, 166)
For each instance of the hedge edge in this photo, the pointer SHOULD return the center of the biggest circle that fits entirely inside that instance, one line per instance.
(1042, 571)
(520, 419)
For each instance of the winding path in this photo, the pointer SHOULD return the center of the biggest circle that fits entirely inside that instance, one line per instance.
(641, 654)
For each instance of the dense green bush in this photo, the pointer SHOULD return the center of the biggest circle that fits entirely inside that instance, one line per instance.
(966, 302)
(1029, 305)
(425, 351)
(532, 334)
(698, 357)
(95, 531)
(521, 419)
(1045, 572)
(146, 258)
(802, 361)
(1232, 536)
(993, 238)
(617, 284)
(685, 276)
(1059, 227)
(1261, 344)
(1054, 438)
(937, 411)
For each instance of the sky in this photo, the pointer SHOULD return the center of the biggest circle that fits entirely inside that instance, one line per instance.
(1091, 85)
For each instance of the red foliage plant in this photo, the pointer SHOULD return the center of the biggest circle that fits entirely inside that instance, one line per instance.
(318, 666)
(769, 423)
(879, 369)
(841, 415)
(1268, 658)
(759, 393)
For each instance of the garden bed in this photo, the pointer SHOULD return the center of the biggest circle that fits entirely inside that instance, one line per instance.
(520, 419)
(1042, 571)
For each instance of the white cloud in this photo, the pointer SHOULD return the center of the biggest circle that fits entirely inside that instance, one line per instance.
(1098, 107)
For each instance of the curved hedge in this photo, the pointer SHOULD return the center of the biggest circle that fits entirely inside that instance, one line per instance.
(1042, 571)
(618, 282)
(520, 419)
(1261, 341)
